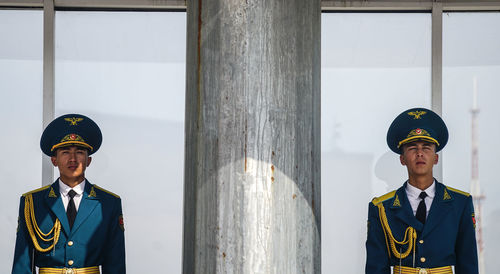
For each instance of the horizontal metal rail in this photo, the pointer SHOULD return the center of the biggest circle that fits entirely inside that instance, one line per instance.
(326, 5)
(100, 4)
(409, 5)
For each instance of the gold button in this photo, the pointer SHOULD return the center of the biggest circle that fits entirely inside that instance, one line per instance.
(421, 241)
(70, 262)
(70, 243)
(422, 259)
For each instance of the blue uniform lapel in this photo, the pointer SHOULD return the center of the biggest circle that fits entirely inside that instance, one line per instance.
(54, 202)
(87, 205)
(404, 211)
(440, 207)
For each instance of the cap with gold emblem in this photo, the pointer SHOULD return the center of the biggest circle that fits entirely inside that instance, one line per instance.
(71, 130)
(417, 124)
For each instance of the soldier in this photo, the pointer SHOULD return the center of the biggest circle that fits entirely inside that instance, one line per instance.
(71, 226)
(424, 226)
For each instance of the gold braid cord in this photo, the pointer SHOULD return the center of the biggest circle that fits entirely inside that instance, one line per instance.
(410, 236)
(29, 216)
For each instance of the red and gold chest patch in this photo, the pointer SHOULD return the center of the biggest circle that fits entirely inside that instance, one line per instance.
(474, 220)
(120, 222)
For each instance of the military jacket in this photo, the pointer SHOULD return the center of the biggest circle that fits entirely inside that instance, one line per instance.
(447, 238)
(97, 236)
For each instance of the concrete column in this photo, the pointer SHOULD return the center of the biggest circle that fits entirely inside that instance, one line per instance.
(252, 151)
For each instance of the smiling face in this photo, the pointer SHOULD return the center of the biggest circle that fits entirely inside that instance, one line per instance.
(71, 162)
(419, 158)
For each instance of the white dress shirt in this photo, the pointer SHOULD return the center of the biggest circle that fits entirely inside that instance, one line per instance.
(64, 189)
(412, 193)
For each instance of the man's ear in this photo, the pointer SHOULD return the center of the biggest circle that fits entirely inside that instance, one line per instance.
(53, 160)
(89, 159)
(436, 159)
(402, 160)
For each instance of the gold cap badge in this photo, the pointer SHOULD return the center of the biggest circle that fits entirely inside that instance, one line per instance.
(73, 121)
(416, 114)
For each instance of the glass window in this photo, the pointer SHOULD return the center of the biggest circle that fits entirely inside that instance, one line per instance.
(470, 55)
(374, 66)
(20, 118)
(126, 71)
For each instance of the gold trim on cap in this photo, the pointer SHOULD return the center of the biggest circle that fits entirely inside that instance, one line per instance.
(427, 138)
(63, 144)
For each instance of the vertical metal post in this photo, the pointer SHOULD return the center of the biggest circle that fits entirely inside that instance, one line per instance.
(252, 147)
(437, 71)
(48, 81)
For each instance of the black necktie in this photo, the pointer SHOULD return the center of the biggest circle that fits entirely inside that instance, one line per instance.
(421, 210)
(71, 210)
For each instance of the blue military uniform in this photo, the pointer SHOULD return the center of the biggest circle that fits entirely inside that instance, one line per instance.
(97, 236)
(45, 238)
(447, 238)
(397, 239)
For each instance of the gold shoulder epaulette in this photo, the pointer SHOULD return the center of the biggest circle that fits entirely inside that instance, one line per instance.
(36, 190)
(387, 196)
(458, 191)
(107, 191)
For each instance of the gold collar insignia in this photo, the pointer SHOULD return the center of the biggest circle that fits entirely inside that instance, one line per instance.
(396, 202)
(92, 193)
(52, 194)
(446, 195)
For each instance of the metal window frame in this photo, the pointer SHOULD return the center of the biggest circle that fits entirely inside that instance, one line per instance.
(48, 81)
(326, 5)
(437, 71)
(411, 5)
(436, 7)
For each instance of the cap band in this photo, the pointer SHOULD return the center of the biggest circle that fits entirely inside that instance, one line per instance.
(408, 140)
(64, 144)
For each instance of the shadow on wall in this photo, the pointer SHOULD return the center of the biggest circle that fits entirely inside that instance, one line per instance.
(491, 237)
(345, 190)
(389, 169)
(141, 160)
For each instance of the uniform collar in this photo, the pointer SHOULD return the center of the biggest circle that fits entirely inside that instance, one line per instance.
(414, 192)
(64, 189)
